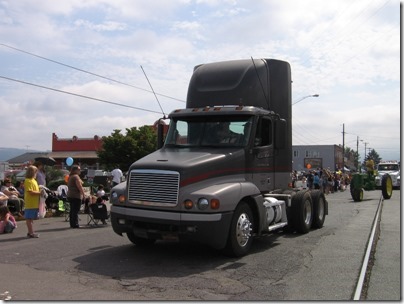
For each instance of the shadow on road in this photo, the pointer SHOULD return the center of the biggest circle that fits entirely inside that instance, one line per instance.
(163, 259)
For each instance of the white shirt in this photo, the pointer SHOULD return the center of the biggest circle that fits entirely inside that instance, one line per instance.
(116, 175)
(100, 193)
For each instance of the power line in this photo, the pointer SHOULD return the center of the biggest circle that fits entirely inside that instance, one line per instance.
(87, 72)
(78, 95)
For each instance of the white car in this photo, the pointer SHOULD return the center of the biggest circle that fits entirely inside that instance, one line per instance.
(393, 169)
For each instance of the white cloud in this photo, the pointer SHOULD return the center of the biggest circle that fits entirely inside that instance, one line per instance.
(106, 26)
(348, 52)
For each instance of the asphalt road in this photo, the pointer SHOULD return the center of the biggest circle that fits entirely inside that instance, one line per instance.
(93, 263)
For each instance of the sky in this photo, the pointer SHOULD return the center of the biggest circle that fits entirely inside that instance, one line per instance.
(85, 68)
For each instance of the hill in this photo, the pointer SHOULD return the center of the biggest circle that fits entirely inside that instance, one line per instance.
(8, 153)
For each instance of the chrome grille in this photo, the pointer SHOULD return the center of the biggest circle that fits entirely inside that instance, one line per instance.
(154, 187)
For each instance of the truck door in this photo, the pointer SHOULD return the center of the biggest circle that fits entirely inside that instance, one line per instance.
(261, 156)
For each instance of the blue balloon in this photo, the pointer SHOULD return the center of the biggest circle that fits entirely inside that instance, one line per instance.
(69, 161)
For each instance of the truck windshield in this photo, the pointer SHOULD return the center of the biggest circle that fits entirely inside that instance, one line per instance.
(213, 131)
(388, 167)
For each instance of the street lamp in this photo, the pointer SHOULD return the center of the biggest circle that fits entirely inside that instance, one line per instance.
(314, 95)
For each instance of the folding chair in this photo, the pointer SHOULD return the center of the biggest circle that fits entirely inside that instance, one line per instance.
(97, 212)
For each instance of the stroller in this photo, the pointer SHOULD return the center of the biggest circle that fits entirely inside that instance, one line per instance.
(52, 201)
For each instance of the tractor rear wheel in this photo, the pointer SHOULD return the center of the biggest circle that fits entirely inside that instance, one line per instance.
(356, 193)
(387, 186)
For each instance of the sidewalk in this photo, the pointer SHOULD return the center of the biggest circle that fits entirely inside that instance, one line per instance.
(385, 278)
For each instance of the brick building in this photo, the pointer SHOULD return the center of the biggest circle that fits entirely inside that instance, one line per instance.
(82, 150)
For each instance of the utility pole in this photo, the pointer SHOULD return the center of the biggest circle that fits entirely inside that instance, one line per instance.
(357, 155)
(365, 151)
(343, 148)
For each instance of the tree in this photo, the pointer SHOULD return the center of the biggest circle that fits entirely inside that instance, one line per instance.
(120, 151)
(351, 156)
(373, 155)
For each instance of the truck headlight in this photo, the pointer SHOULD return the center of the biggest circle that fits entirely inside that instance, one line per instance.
(203, 203)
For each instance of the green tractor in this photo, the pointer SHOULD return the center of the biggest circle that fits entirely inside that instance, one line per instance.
(365, 181)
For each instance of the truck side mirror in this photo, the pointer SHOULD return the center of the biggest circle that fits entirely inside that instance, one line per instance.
(280, 134)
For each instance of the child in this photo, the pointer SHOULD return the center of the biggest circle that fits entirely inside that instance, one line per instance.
(99, 210)
(31, 198)
(100, 191)
(7, 220)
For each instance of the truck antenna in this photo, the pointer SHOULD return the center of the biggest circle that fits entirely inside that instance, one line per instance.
(262, 87)
(164, 115)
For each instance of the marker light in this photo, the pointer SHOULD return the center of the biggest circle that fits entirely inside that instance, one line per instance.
(214, 203)
(188, 204)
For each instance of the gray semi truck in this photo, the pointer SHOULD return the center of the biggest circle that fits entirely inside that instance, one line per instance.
(223, 174)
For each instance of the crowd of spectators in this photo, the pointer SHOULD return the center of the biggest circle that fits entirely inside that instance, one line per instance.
(322, 179)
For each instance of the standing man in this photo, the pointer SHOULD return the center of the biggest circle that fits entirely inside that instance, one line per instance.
(116, 176)
(40, 175)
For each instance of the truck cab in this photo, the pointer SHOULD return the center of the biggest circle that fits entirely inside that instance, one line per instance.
(223, 173)
(390, 167)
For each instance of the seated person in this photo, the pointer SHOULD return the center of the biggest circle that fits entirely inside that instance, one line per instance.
(20, 188)
(99, 209)
(14, 201)
(7, 220)
(97, 205)
(100, 191)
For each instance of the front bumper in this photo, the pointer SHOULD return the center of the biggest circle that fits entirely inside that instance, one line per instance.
(210, 229)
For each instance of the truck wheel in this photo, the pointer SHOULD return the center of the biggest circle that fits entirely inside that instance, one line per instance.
(138, 241)
(240, 235)
(387, 186)
(290, 228)
(302, 209)
(319, 208)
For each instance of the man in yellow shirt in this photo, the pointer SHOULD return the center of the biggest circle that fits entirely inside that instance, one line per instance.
(370, 166)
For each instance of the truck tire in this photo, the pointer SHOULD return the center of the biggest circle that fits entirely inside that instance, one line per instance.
(290, 228)
(138, 241)
(319, 209)
(240, 235)
(387, 186)
(302, 209)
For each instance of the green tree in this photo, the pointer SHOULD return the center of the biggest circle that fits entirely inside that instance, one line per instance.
(120, 151)
(373, 155)
(352, 155)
